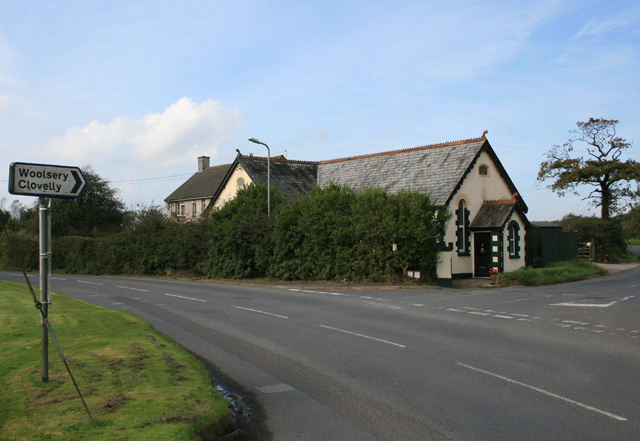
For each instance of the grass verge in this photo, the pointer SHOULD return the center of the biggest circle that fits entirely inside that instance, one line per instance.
(557, 272)
(138, 384)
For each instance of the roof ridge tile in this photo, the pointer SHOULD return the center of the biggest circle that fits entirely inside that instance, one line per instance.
(408, 150)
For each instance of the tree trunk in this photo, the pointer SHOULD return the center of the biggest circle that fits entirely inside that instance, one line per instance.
(605, 202)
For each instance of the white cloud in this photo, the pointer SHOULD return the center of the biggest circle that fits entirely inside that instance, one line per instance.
(453, 44)
(600, 26)
(174, 137)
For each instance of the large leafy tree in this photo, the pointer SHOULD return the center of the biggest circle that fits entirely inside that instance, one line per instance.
(97, 212)
(612, 179)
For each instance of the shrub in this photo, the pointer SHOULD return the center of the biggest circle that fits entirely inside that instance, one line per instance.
(239, 234)
(335, 233)
(607, 235)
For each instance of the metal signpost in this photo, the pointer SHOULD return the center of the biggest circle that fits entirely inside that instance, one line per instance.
(45, 181)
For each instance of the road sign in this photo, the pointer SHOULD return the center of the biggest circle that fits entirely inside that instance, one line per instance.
(51, 181)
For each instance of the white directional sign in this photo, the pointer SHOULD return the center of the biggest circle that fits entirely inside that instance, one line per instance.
(52, 181)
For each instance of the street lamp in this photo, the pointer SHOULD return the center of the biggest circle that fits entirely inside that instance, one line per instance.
(255, 140)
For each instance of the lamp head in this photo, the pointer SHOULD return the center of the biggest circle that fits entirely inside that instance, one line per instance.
(256, 140)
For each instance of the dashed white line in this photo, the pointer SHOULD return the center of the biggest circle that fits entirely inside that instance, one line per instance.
(316, 292)
(363, 336)
(544, 392)
(89, 283)
(574, 323)
(502, 316)
(187, 298)
(260, 312)
(479, 313)
(132, 289)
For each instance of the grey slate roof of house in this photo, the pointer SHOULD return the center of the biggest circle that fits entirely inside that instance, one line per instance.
(493, 214)
(435, 169)
(292, 178)
(201, 185)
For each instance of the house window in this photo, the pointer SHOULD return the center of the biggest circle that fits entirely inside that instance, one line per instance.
(483, 170)
(182, 208)
(240, 182)
(194, 208)
(204, 206)
(513, 239)
(462, 232)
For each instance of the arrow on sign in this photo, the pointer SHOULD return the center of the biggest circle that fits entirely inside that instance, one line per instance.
(79, 182)
(53, 181)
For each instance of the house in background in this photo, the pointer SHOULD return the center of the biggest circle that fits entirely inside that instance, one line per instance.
(192, 198)
(486, 232)
(291, 178)
(488, 225)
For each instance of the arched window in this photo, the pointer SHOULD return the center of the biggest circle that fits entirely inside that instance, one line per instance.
(240, 182)
(513, 239)
(483, 170)
(462, 232)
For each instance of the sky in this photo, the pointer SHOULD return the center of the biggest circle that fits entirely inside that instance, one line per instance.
(137, 90)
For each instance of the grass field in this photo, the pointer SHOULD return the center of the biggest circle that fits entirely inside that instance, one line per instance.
(557, 272)
(138, 384)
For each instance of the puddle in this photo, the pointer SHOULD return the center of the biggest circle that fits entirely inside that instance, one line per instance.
(239, 407)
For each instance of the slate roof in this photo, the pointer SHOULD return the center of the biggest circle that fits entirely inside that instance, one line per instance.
(201, 185)
(493, 214)
(292, 178)
(435, 169)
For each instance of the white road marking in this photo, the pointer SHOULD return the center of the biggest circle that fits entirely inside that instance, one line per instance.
(275, 388)
(58, 278)
(503, 316)
(544, 392)
(183, 297)
(479, 313)
(260, 312)
(575, 323)
(363, 336)
(132, 289)
(316, 292)
(89, 283)
(593, 305)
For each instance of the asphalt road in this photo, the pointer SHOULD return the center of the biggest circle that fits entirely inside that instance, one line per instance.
(554, 363)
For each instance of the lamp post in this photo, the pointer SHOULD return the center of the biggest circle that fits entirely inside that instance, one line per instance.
(255, 140)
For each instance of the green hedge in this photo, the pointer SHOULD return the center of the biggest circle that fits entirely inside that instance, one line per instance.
(334, 233)
(149, 243)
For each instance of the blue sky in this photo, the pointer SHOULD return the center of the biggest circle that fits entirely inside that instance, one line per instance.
(139, 89)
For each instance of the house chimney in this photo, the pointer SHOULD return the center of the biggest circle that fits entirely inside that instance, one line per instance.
(203, 162)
